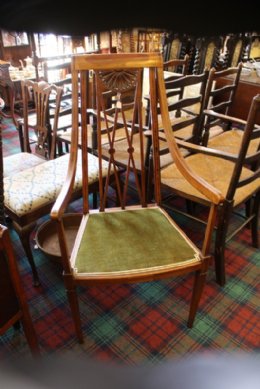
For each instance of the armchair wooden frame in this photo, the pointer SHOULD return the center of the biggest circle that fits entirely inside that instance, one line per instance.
(107, 258)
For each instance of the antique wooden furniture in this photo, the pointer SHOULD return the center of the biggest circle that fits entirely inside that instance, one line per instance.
(186, 111)
(149, 40)
(178, 65)
(254, 49)
(36, 112)
(248, 87)
(235, 175)
(186, 102)
(235, 50)
(8, 89)
(219, 99)
(185, 97)
(29, 194)
(176, 46)
(207, 53)
(13, 304)
(224, 137)
(133, 241)
(52, 69)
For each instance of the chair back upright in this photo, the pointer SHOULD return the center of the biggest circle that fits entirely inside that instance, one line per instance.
(39, 120)
(178, 65)
(188, 107)
(218, 97)
(119, 82)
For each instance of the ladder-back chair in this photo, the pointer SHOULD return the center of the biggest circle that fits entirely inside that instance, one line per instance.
(219, 98)
(235, 174)
(132, 240)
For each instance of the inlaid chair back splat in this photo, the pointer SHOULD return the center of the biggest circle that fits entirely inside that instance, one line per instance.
(135, 240)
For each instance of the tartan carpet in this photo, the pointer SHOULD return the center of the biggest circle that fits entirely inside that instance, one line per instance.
(140, 322)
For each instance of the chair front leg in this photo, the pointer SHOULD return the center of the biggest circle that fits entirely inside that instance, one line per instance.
(220, 241)
(255, 221)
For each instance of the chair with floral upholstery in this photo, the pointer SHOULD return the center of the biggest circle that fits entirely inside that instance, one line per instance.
(30, 190)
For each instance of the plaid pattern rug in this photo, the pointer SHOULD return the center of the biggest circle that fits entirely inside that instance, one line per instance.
(140, 322)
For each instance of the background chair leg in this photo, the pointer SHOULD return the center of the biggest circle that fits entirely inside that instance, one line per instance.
(220, 242)
(30, 332)
(255, 221)
(24, 235)
(20, 134)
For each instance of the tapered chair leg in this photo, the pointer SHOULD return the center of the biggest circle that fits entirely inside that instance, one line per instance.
(24, 235)
(73, 301)
(21, 138)
(74, 305)
(255, 221)
(220, 243)
(199, 282)
(30, 333)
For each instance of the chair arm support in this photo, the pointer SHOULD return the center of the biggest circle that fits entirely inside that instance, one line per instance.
(206, 150)
(210, 112)
(65, 194)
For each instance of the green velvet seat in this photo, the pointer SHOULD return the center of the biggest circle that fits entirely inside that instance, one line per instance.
(145, 241)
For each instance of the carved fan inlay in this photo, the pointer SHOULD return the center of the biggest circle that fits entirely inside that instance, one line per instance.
(118, 80)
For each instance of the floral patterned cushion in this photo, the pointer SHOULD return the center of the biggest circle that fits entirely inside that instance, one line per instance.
(37, 186)
(18, 162)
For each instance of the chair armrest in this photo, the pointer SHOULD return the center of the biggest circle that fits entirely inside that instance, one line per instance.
(210, 112)
(64, 197)
(206, 150)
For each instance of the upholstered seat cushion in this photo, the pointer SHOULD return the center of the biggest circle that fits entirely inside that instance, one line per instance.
(18, 162)
(215, 171)
(130, 241)
(230, 141)
(28, 190)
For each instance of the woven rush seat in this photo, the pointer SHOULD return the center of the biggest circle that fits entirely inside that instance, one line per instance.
(208, 167)
(230, 142)
(32, 188)
(18, 162)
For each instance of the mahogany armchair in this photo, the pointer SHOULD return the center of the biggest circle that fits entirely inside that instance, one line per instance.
(134, 241)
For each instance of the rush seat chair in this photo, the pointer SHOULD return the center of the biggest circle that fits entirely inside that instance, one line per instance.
(237, 177)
